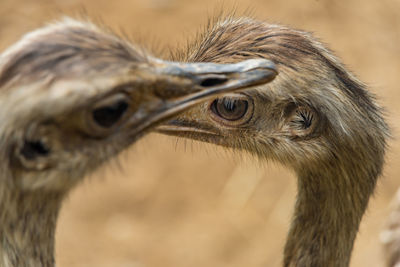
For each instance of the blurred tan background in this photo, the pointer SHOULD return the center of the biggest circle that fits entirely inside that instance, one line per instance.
(180, 203)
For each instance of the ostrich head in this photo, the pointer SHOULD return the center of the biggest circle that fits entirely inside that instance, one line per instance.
(72, 96)
(315, 118)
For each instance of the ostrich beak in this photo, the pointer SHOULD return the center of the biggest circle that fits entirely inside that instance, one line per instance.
(178, 86)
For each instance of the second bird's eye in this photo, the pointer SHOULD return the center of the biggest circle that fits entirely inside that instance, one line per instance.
(230, 108)
(110, 111)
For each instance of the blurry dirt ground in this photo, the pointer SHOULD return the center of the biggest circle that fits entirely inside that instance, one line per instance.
(178, 204)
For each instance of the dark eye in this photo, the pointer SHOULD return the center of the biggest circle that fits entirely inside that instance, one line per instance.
(230, 108)
(109, 112)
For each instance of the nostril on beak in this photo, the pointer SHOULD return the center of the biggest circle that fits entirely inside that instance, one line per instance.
(213, 81)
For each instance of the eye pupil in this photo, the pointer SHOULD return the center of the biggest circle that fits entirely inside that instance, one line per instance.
(230, 109)
(107, 116)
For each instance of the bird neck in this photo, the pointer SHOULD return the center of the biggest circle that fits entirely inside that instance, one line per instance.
(27, 228)
(330, 204)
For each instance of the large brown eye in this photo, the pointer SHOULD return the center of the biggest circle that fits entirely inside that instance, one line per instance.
(232, 110)
(109, 112)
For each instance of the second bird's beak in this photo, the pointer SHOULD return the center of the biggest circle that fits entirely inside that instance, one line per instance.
(178, 86)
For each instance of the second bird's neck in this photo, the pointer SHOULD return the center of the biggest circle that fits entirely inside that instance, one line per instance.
(328, 211)
(27, 228)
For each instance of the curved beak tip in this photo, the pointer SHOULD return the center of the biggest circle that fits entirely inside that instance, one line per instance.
(187, 84)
